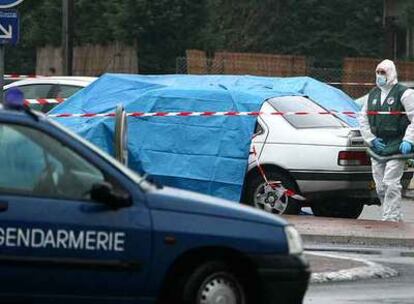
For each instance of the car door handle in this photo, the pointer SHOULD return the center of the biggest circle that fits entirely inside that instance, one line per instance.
(4, 206)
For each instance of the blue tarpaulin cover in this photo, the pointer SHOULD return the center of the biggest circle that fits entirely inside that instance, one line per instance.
(207, 155)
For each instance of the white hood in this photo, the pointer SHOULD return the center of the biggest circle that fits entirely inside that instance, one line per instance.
(390, 72)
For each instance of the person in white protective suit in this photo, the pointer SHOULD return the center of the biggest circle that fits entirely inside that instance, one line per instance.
(388, 135)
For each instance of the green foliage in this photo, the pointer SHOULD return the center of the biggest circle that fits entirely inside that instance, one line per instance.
(22, 59)
(164, 29)
(323, 29)
(407, 15)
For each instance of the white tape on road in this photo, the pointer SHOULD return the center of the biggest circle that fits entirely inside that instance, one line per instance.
(371, 270)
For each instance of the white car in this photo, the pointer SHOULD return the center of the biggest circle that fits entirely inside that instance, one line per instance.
(54, 87)
(317, 156)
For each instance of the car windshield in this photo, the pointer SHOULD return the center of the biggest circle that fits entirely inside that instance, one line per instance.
(303, 104)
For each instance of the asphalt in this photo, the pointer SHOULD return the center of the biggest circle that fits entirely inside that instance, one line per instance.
(320, 264)
(331, 267)
(327, 240)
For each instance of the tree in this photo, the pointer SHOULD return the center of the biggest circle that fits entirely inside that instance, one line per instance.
(164, 29)
(328, 30)
(40, 24)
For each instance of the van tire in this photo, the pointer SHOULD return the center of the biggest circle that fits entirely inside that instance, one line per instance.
(253, 183)
(209, 275)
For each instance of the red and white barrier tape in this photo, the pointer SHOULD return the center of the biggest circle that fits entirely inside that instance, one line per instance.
(213, 114)
(43, 101)
(353, 83)
(274, 184)
(22, 76)
(259, 166)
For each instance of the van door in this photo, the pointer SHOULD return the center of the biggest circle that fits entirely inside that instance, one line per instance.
(56, 241)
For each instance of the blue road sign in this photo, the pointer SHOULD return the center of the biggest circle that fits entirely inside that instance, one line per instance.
(9, 3)
(9, 27)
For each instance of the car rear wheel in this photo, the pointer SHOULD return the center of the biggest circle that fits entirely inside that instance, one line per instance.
(338, 207)
(256, 194)
(214, 282)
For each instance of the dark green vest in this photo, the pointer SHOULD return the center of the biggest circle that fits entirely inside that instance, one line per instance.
(391, 128)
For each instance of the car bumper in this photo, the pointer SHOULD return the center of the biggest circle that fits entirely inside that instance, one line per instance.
(282, 279)
(322, 185)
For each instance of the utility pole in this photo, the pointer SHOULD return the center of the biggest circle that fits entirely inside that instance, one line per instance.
(67, 36)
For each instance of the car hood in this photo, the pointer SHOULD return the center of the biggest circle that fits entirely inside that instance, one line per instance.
(178, 200)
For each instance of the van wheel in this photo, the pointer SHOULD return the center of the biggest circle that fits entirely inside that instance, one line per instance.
(255, 189)
(214, 282)
(338, 207)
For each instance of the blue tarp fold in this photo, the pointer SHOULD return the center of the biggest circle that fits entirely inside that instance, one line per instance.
(207, 155)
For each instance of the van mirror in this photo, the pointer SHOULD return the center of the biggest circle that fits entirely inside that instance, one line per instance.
(104, 192)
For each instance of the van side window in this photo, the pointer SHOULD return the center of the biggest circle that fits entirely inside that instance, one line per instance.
(33, 163)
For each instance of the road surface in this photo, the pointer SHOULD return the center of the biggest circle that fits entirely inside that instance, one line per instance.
(397, 290)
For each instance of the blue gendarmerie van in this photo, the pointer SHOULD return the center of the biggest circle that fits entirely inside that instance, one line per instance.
(76, 226)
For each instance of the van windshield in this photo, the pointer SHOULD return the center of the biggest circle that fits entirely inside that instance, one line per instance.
(303, 104)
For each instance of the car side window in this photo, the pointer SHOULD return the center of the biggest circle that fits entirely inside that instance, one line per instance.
(258, 130)
(34, 164)
(35, 91)
(65, 91)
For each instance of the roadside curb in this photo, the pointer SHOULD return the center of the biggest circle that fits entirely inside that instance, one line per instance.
(356, 240)
(337, 231)
(370, 271)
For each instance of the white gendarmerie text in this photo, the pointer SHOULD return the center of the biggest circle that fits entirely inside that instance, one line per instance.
(62, 239)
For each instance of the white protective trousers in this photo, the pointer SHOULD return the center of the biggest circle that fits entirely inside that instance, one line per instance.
(387, 177)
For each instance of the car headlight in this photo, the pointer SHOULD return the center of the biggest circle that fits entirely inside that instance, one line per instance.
(294, 240)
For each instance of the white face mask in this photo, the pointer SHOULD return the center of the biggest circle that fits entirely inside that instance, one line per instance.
(381, 80)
